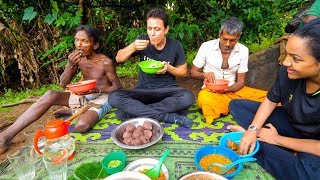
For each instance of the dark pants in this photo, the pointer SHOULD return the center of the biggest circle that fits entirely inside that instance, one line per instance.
(152, 103)
(280, 162)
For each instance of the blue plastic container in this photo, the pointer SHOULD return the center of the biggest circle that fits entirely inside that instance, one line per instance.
(210, 149)
(236, 137)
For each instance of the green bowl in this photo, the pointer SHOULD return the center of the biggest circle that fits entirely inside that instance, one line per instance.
(115, 155)
(151, 67)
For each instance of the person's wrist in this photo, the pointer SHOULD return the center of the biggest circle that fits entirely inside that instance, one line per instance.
(204, 75)
(253, 128)
(132, 47)
(72, 66)
(98, 90)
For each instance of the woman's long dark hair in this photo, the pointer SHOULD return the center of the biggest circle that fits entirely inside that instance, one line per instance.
(311, 33)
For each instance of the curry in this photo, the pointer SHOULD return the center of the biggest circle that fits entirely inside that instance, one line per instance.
(233, 146)
(217, 158)
(161, 177)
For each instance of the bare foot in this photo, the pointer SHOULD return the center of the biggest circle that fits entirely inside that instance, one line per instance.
(4, 146)
(62, 112)
(236, 128)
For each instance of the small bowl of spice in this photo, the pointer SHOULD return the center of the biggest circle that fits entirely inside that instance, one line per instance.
(114, 162)
(231, 140)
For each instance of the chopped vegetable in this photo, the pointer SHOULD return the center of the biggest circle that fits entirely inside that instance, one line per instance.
(114, 163)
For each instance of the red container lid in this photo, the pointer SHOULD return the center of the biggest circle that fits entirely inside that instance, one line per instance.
(56, 129)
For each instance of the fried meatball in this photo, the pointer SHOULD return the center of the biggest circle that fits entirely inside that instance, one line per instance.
(147, 125)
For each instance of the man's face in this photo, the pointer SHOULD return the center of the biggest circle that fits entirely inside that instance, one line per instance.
(83, 43)
(228, 41)
(156, 30)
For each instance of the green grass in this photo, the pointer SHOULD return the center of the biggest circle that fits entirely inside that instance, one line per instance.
(128, 69)
(10, 96)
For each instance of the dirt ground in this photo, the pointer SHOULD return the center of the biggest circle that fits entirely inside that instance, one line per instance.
(8, 117)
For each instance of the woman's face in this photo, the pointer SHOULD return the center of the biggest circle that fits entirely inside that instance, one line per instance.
(299, 62)
(156, 30)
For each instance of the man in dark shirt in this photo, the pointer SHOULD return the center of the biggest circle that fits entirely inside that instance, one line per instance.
(156, 96)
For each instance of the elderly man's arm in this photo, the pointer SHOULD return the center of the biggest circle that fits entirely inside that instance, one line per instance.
(71, 68)
(241, 78)
(69, 72)
(196, 72)
(111, 75)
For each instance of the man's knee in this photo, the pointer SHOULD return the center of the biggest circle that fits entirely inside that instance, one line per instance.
(189, 98)
(86, 121)
(50, 96)
(232, 104)
(81, 126)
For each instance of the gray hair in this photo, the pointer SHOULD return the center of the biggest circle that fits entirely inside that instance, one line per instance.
(232, 26)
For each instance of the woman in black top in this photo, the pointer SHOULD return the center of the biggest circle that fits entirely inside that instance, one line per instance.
(289, 134)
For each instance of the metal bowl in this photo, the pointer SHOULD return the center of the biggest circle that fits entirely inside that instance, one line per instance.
(201, 175)
(157, 132)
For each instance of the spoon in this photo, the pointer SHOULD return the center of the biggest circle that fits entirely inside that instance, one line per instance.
(224, 168)
(155, 171)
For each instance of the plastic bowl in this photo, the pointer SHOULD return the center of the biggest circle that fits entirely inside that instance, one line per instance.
(151, 67)
(218, 85)
(202, 175)
(82, 86)
(236, 137)
(210, 149)
(116, 155)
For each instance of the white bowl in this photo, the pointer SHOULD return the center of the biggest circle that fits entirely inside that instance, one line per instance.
(146, 163)
(202, 175)
(127, 175)
(117, 133)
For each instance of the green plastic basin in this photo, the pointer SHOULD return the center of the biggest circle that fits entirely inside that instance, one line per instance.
(151, 67)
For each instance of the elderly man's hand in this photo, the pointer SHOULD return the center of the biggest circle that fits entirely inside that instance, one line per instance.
(209, 76)
(74, 58)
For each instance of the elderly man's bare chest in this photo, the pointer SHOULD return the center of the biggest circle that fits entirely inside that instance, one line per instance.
(225, 63)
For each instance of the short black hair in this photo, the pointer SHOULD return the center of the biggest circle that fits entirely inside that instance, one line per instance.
(159, 13)
(311, 33)
(90, 31)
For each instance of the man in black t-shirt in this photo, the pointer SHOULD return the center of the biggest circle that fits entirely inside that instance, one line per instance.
(156, 96)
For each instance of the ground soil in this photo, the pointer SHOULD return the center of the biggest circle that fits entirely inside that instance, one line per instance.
(8, 117)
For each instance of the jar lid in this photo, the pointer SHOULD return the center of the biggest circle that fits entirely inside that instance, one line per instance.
(56, 129)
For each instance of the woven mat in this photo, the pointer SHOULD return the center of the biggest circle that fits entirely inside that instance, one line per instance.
(183, 142)
(179, 162)
(172, 132)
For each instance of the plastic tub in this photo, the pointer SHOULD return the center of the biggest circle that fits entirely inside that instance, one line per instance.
(210, 149)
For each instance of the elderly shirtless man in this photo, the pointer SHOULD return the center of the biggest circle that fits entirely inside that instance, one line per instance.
(93, 65)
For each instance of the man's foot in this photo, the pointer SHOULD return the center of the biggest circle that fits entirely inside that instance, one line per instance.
(4, 146)
(177, 119)
(234, 128)
(63, 112)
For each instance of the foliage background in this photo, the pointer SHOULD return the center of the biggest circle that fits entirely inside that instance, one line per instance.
(36, 36)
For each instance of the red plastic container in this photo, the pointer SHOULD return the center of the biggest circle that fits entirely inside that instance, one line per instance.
(82, 86)
(218, 85)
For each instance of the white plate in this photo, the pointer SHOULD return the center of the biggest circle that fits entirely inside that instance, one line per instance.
(202, 175)
(146, 163)
(127, 175)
